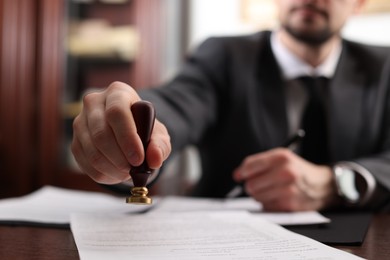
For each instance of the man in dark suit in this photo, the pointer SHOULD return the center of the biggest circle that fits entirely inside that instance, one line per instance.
(238, 99)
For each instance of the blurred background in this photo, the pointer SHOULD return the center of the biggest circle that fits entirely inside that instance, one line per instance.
(54, 51)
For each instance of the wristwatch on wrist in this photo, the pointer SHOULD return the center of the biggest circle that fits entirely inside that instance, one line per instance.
(355, 184)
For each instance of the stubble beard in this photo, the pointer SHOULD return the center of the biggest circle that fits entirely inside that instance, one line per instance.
(309, 36)
(314, 39)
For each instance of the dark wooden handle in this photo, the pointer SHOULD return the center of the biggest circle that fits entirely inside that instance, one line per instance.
(144, 116)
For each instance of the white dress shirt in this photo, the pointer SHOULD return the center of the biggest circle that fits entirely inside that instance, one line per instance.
(292, 67)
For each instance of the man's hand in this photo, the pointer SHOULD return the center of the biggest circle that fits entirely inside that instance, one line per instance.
(283, 181)
(105, 140)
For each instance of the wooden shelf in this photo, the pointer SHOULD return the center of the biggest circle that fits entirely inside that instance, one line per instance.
(99, 61)
(32, 85)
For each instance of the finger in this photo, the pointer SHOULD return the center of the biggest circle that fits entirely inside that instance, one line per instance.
(101, 134)
(159, 146)
(252, 165)
(260, 163)
(281, 174)
(120, 119)
(91, 157)
(279, 198)
(84, 165)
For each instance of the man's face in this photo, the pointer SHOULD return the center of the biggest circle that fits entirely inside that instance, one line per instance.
(315, 21)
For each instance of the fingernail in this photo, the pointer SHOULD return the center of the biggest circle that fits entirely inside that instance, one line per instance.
(243, 174)
(134, 159)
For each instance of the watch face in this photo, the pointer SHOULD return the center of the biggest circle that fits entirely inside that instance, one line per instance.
(355, 184)
(346, 184)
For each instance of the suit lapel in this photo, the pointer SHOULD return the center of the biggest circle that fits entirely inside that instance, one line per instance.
(345, 103)
(345, 106)
(271, 91)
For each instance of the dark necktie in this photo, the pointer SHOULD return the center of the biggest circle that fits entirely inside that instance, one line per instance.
(314, 146)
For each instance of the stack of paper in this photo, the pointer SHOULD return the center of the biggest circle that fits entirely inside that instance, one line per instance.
(53, 206)
(186, 204)
(105, 227)
(192, 235)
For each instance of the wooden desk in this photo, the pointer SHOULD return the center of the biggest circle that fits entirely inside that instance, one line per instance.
(376, 244)
(48, 243)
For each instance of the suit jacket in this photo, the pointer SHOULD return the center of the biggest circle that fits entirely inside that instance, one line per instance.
(229, 101)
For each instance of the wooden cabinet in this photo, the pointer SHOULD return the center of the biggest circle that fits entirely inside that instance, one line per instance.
(33, 84)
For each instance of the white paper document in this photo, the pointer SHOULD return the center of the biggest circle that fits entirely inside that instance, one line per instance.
(186, 204)
(192, 235)
(52, 205)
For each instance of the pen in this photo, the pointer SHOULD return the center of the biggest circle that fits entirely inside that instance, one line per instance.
(290, 144)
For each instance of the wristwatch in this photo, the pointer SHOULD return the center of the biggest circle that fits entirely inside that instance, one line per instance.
(355, 184)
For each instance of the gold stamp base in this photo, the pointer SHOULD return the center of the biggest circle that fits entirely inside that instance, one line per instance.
(139, 196)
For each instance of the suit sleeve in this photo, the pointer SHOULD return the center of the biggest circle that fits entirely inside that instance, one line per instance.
(189, 104)
(378, 164)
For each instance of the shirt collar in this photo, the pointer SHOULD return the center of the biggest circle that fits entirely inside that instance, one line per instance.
(293, 67)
